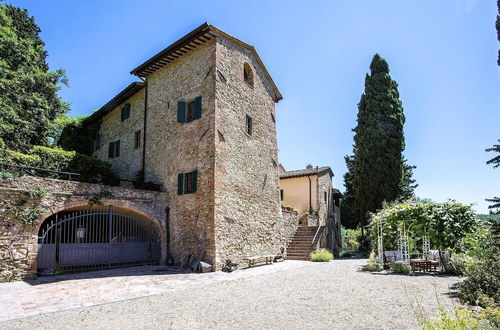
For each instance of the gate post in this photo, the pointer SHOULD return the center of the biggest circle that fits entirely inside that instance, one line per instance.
(110, 227)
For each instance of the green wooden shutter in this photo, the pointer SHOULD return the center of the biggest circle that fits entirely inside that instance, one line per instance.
(180, 183)
(181, 112)
(111, 150)
(117, 148)
(194, 182)
(197, 107)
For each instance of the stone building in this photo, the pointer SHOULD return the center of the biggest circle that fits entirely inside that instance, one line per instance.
(201, 123)
(310, 192)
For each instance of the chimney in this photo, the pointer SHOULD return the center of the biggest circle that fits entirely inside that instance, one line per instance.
(309, 166)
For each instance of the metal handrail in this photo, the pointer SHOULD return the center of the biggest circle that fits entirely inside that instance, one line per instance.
(69, 174)
(317, 231)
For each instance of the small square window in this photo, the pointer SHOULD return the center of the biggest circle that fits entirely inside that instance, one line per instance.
(190, 112)
(248, 125)
(137, 139)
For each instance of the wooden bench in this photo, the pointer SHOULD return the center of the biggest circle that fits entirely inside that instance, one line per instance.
(252, 261)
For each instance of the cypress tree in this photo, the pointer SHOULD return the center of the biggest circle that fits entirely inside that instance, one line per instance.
(349, 215)
(379, 165)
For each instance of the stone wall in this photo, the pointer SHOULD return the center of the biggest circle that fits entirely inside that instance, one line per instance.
(129, 163)
(174, 148)
(290, 224)
(235, 211)
(248, 218)
(325, 205)
(18, 241)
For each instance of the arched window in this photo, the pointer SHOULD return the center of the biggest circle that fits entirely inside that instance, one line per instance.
(248, 74)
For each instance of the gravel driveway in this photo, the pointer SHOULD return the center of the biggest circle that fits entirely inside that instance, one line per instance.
(314, 295)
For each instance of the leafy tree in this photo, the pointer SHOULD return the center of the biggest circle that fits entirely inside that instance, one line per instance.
(76, 136)
(28, 90)
(379, 167)
(446, 224)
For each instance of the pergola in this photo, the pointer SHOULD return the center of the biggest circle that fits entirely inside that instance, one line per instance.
(403, 241)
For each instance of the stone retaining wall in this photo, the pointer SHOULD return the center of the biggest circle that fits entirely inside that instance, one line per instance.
(290, 224)
(36, 198)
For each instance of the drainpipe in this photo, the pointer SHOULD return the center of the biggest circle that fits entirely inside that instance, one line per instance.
(310, 196)
(144, 126)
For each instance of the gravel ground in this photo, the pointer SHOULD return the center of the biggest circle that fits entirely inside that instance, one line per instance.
(315, 295)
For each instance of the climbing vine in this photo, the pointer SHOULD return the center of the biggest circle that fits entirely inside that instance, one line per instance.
(96, 200)
(21, 211)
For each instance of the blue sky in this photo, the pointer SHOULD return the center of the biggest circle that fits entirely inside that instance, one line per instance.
(442, 54)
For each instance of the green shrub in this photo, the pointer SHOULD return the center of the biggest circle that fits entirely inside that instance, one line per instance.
(350, 239)
(374, 267)
(16, 158)
(321, 255)
(458, 264)
(346, 254)
(463, 319)
(482, 285)
(399, 267)
(56, 159)
(6, 175)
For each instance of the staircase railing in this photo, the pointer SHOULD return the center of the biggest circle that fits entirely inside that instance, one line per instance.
(315, 235)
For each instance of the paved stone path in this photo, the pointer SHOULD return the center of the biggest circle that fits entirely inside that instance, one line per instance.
(49, 294)
(289, 295)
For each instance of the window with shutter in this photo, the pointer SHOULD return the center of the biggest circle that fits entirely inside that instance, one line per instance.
(190, 112)
(181, 112)
(117, 148)
(180, 183)
(137, 139)
(197, 107)
(114, 149)
(111, 150)
(187, 183)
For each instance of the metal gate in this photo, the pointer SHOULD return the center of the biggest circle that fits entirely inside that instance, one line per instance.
(96, 239)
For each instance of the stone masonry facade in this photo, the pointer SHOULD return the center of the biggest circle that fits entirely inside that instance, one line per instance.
(18, 241)
(235, 210)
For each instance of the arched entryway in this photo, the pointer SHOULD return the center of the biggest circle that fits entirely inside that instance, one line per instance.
(97, 238)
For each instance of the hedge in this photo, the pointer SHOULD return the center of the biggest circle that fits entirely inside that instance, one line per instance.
(55, 159)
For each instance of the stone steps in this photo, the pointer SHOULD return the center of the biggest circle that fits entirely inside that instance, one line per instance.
(300, 247)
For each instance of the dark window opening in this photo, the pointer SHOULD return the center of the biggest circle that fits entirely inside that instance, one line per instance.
(190, 112)
(125, 112)
(248, 125)
(248, 74)
(282, 194)
(326, 197)
(114, 149)
(137, 139)
(96, 142)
